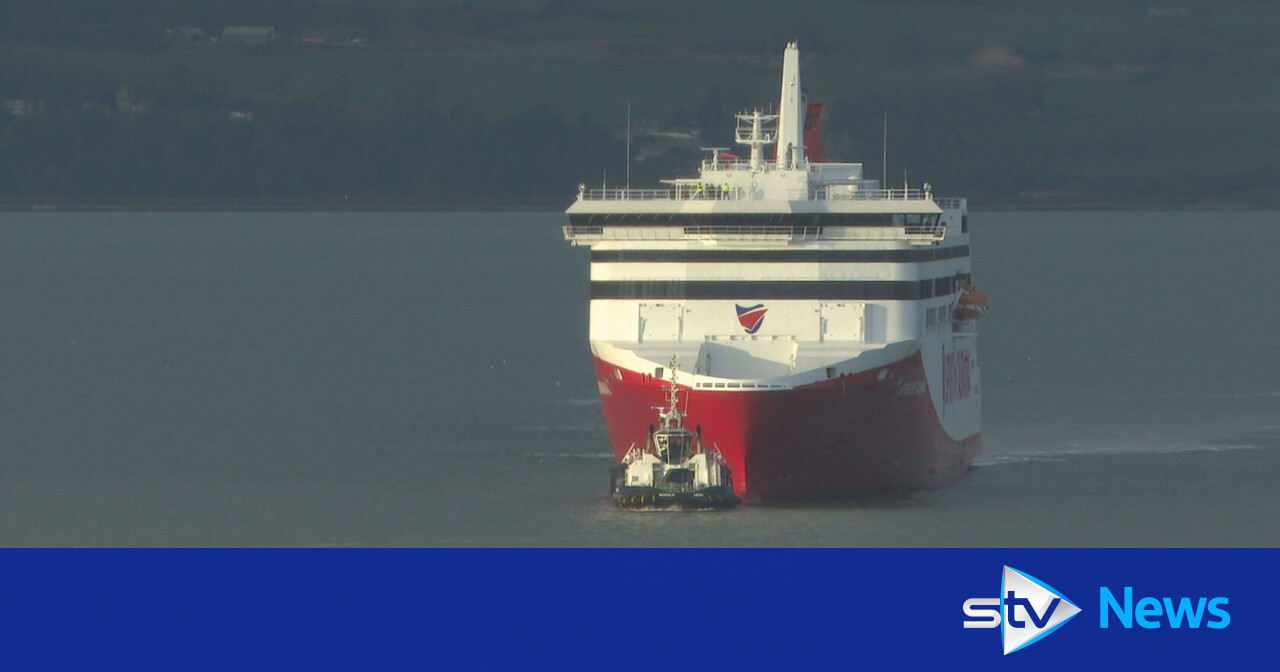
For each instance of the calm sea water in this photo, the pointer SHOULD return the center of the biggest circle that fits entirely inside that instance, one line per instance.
(374, 379)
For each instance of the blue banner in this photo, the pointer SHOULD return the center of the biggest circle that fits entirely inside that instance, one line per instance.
(620, 609)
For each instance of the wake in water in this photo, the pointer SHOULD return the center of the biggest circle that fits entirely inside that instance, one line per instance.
(571, 456)
(591, 401)
(571, 428)
(664, 509)
(1013, 452)
(1229, 396)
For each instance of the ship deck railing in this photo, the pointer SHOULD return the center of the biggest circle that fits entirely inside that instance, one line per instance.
(715, 192)
(952, 203)
(916, 235)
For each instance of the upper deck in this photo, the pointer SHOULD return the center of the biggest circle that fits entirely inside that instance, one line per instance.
(783, 197)
(681, 213)
(728, 185)
(713, 190)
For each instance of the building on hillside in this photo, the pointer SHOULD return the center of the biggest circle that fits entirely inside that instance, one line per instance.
(235, 36)
(332, 36)
(184, 36)
(129, 104)
(23, 108)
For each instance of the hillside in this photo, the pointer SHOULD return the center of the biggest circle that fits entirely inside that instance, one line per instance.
(393, 103)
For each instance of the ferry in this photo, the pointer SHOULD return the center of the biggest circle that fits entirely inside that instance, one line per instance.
(820, 325)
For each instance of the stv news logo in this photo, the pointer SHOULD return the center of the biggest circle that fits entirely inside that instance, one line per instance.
(1027, 608)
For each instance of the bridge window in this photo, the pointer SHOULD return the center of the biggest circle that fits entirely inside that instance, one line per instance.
(914, 220)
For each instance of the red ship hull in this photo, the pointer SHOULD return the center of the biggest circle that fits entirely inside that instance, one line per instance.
(851, 434)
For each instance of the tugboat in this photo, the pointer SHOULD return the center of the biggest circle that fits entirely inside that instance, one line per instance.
(675, 468)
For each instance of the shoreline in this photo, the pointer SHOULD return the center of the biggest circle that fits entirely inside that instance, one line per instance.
(542, 205)
(279, 205)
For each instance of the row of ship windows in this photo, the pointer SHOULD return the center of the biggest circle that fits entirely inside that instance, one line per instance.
(920, 255)
(757, 386)
(904, 290)
(758, 219)
(938, 318)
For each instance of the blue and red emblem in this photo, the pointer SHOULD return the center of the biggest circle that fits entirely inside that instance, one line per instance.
(751, 317)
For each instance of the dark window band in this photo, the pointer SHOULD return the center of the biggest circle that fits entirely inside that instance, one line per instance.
(866, 290)
(777, 256)
(741, 219)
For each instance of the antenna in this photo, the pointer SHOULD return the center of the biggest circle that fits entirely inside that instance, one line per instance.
(670, 415)
(628, 144)
(884, 157)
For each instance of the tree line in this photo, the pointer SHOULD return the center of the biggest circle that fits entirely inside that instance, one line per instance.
(302, 152)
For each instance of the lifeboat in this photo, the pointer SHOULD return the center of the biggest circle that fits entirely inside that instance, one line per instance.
(971, 304)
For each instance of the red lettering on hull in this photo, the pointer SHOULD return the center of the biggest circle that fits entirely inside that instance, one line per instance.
(957, 380)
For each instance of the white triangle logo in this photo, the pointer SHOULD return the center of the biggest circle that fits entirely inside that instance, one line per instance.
(1030, 609)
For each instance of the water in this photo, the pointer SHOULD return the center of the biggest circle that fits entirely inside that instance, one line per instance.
(373, 379)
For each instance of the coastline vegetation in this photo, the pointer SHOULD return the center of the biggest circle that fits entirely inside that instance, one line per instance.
(512, 103)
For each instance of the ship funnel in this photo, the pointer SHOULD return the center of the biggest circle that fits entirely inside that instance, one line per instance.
(791, 109)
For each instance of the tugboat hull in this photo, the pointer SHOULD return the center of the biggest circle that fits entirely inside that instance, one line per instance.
(717, 497)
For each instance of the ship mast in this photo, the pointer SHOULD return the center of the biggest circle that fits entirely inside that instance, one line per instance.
(751, 132)
(791, 112)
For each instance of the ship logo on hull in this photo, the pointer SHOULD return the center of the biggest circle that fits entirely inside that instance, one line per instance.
(751, 317)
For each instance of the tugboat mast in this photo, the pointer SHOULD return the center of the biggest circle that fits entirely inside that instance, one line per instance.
(670, 418)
